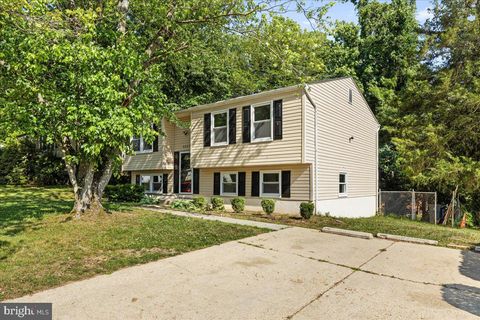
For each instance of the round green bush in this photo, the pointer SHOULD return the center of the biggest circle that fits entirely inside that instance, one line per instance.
(217, 204)
(183, 204)
(306, 209)
(124, 193)
(268, 206)
(200, 202)
(238, 204)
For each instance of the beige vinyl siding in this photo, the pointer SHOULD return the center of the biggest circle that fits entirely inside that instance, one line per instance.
(337, 121)
(287, 150)
(182, 140)
(163, 159)
(309, 132)
(299, 180)
(155, 172)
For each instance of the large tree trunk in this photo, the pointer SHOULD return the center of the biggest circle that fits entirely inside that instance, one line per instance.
(89, 180)
(87, 205)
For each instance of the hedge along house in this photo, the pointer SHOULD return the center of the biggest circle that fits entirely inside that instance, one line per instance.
(315, 142)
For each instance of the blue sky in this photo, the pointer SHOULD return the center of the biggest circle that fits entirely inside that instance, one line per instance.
(346, 12)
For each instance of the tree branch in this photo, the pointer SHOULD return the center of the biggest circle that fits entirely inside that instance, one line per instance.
(123, 9)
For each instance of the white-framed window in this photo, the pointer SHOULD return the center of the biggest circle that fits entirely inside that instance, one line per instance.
(270, 182)
(219, 128)
(350, 96)
(342, 184)
(152, 183)
(139, 145)
(229, 184)
(262, 121)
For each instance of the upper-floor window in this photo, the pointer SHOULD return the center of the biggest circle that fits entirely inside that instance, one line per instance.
(342, 184)
(270, 184)
(262, 128)
(229, 183)
(140, 145)
(350, 96)
(219, 128)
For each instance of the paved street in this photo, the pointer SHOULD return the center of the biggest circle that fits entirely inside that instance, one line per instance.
(293, 273)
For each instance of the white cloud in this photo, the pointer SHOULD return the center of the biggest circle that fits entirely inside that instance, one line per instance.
(423, 15)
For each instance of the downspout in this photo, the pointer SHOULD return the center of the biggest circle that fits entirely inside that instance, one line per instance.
(306, 89)
(377, 182)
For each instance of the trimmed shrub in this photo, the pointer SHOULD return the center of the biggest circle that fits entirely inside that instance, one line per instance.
(238, 204)
(217, 204)
(306, 209)
(200, 202)
(185, 205)
(268, 206)
(124, 193)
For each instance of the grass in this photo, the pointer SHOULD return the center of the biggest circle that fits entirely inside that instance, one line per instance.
(41, 248)
(377, 224)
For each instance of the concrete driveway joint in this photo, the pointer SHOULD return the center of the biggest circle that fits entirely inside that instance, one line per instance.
(293, 273)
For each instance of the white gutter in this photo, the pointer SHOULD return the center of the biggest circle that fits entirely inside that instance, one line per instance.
(241, 99)
(306, 89)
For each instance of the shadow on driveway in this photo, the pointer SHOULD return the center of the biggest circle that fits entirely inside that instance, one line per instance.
(462, 296)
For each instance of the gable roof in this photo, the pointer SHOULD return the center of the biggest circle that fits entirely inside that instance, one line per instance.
(293, 88)
(242, 98)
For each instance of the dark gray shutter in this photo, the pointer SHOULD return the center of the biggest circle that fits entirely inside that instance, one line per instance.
(255, 184)
(232, 126)
(216, 183)
(246, 124)
(176, 171)
(137, 179)
(155, 142)
(165, 183)
(286, 184)
(241, 184)
(277, 119)
(207, 121)
(196, 181)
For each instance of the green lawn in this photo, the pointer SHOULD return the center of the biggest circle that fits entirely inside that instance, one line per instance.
(377, 224)
(41, 248)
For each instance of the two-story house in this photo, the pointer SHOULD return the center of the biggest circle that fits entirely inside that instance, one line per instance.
(315, 142)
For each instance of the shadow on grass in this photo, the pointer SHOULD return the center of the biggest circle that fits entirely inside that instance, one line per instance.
(22, 208)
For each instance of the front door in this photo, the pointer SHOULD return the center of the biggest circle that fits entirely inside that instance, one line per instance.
(186, 175)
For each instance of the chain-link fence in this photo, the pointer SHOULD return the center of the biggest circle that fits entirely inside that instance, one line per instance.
(415, 205)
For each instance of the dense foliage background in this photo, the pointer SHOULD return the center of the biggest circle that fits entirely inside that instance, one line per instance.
(422, 81)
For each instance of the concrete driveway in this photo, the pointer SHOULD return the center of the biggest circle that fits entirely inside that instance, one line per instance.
(293, 273)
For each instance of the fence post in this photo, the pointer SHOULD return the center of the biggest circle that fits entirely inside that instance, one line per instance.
(414, 216)
(380, 202)
(435, 207)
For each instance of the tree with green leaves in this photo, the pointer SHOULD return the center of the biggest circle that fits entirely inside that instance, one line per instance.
(88, 75)
(438, 135)
(381, 52)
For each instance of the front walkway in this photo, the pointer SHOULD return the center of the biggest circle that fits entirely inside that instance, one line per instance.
(293, 273)
(258, 224)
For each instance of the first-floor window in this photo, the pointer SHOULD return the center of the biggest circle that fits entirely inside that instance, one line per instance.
(270, 184)
(342, 184)
(229, 183)
(145, 182)
(152, 183)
